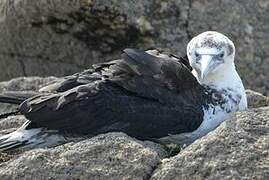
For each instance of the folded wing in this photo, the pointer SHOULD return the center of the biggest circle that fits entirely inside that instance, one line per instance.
(142, 95)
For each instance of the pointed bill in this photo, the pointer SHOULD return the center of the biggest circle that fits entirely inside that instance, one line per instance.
(206, 63)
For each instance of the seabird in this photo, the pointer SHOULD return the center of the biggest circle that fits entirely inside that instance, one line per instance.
(145, 94)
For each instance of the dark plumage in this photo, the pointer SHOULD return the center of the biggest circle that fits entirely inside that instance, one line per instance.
(140, 94)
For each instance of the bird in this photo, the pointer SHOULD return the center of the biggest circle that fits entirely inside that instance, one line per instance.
(149, 95)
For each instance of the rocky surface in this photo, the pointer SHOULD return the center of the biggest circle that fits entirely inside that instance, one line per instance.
(59, 37)
(109, 156)
(26, 83)
(256, 99)
(237, 149)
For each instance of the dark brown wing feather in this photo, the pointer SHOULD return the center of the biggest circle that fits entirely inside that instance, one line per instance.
(141, 95)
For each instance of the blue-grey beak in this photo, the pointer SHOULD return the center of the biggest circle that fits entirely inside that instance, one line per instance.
(207, 65)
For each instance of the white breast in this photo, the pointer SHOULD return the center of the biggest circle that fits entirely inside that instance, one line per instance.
(214, 115)
(229, 84)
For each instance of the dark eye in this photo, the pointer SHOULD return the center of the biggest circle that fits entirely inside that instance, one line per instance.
(197, 55)
(221, 55)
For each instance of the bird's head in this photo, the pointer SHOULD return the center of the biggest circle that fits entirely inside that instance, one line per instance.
(209, 53)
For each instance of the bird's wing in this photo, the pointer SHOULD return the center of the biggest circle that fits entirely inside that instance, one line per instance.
(97, 72)
(153, 77)
(113, 68)
(142, 95)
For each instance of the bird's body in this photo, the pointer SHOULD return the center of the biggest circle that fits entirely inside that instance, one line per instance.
(148, 95)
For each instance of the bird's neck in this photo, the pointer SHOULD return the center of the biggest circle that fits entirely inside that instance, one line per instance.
(229, 85)
(226, 79)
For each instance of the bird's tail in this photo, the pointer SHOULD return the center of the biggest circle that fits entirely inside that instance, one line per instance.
(29, 138)
(16, 97)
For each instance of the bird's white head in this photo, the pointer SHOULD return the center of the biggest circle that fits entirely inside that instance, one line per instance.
(210, 54)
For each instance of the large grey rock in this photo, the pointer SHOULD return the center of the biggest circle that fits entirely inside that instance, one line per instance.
(64, 36)
(59, 37)
(110, 156)
(237, 149)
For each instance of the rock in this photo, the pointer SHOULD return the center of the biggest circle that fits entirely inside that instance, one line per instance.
(26, 83)
(256, 99)
(109, 156)
(60, 37)
(11, 123)
(237, 149)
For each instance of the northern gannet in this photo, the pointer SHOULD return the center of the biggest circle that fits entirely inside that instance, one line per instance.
(148, 95)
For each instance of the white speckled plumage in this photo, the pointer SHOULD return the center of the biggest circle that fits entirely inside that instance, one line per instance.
(223, 78)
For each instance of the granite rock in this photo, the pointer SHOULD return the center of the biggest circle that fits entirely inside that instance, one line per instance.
(237, 149)
(109, 156)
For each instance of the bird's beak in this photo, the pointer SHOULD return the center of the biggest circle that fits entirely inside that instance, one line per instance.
(206, 65)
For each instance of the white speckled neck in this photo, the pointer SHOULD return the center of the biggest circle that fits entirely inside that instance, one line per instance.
(227, 82)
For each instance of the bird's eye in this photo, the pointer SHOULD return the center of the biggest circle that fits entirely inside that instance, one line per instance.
(197, 55)
(221, 55)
